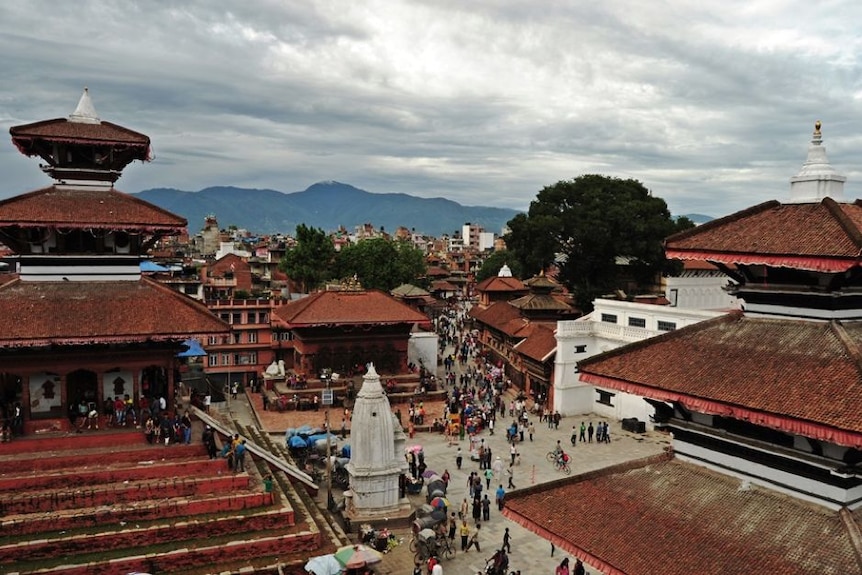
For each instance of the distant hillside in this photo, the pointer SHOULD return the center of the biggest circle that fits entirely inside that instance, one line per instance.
(325, 205)
(699, 218)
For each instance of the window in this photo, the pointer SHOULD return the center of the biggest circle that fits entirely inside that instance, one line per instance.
(225, 359)
(637, 322)
(262, 317)
(252, 357)
(213, 340)
(666, 325)
(609, 318)
(605, 397)
(252, 337)
(225, 317)
(237, 318)
(252, 317)
(213, 359)
(674, 296)
(237, 337)
(580, 349)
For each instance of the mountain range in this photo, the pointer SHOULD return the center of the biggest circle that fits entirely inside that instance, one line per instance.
(325, 205)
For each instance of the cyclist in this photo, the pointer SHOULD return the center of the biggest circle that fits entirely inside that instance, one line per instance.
(562, 458)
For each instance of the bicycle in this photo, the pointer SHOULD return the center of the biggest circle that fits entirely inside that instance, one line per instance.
(563, 466)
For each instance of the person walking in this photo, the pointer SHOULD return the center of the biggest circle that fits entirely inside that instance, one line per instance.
(531, 430)
(462, 513)
(506, 541)
(590, 431)
(498, 467)
(489, 475)
(583, 434)
(501, 496)
(486, 508)
(459, 457)
(474, 539)
(464, 531)
(510, 473)
(563, 567)
(453, 526)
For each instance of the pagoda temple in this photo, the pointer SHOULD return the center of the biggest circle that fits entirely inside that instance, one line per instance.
(78, 322)
(337, 328)
(763, 407)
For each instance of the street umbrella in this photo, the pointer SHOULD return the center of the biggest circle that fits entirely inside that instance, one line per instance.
(414, 449)
(357, 556)
(429, 473)
(324, 565)
(439, 503)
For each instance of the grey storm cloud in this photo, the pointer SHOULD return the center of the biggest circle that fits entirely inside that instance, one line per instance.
(709, 104)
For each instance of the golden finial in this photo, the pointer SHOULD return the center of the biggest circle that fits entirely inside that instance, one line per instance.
(817, 127)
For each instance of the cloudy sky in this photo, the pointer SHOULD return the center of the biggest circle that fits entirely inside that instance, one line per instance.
(710, 104)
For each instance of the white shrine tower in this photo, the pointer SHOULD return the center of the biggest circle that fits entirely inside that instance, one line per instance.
(377, 456)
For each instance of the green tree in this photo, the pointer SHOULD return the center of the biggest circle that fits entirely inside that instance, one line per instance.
(584, 224)
(492, 264)
(311, 260)
(381, 264)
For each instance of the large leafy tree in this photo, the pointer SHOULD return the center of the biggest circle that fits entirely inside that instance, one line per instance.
(311, 260)
(381, 264)
(585, 224)
(492, 264)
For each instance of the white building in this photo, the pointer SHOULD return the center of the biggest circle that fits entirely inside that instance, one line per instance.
(614, 323)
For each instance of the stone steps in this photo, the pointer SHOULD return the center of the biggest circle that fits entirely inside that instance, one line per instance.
(64, 544)
(144, 510)
(114, 473)
(113, 494)
(106, 502)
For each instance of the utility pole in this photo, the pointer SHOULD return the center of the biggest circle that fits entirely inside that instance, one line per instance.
(326, 400)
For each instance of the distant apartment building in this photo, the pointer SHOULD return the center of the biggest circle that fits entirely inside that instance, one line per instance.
(475, 237)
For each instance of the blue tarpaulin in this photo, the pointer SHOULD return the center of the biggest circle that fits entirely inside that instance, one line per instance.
(148, 266)
(194, 349)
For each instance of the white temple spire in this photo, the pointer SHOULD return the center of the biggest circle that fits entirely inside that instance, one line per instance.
(817, 179)
(85, 112)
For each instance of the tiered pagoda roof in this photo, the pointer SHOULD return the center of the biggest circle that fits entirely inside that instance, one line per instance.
(72, 207)
(346, 307)
(823, 236)
(677, 518)
(44, 314)
(800, 377)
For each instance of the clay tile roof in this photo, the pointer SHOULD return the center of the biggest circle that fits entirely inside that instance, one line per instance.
(346, 308)
(798, 376)
(74, 207)
(36, 314)
(501, 284)
(539, 344)
(823, 236)
(676, 518)
(501, 316)
(436, 271)
(443, 285)
(62, 130)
